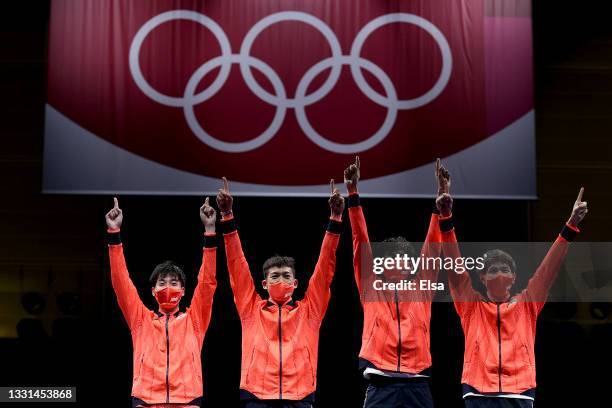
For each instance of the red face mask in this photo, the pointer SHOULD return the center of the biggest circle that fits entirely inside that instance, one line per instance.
(168, 297)
(499, 286)
(280, 292)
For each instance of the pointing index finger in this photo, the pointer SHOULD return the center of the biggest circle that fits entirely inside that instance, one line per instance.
(579, 199)
(357, 162)
(116, 202)
(225, 185)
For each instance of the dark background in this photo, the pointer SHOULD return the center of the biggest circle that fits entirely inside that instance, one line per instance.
(54, 245)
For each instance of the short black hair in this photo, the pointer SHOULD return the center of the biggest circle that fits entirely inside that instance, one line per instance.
(498, 256)
(167, 268)
(278, 261)
(400, 245)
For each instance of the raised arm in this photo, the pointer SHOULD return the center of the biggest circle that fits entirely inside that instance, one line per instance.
(542, 280)
(201, 303)
(318, 293)
(127, 296)
(432, 246)
(461, 289)
(431, 249)
(241, 280)
(362, 251)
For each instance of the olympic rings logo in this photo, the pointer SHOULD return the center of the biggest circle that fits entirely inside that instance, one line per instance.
(280, 99)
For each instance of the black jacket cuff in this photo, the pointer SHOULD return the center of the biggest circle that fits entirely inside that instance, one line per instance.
(210, 241)
(335, 227)
(568, 233)
(353, 200)
(446, 224)
(113, 238)
(228, 226)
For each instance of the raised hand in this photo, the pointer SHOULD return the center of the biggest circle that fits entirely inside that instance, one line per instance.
(443, 178)
(114, 217)
(224, 199)
(579, 211)
(444, 201)
(208, 215)
(351, 176)
(336, 201)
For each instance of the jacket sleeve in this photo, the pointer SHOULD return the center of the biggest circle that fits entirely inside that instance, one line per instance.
(540, 283)
(127, 296)
(241, 280)
(431, 249)
(201, 303)
(362, 251)
(318, 292)
(463, 293)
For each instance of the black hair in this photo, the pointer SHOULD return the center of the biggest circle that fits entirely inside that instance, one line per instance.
(498, 256)
(167, 268)
(278, 261)
(400, 246)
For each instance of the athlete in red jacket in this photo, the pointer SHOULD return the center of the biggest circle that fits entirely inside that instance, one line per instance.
(280, 335)
(499, 328)
(394, 355)
(167, 343)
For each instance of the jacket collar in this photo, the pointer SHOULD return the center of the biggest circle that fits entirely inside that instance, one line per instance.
(289, 305)
(160, 314)
(511, 299)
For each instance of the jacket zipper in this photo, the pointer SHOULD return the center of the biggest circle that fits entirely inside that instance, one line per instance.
(399, 333)
(167, 361)
(280, 353)
(499, 369)
(141, 364)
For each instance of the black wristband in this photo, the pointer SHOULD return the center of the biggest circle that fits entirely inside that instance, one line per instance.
(210, 241)
(568, 233)
(335, 227)
(113, 238)
(353, 200)
(446, 224)
(228, 226)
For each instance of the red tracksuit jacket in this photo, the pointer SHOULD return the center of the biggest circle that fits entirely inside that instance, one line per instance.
(279, 344)
(395, 333)
(167, 362)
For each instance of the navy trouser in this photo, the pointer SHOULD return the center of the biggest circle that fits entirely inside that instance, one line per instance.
(390, 393)
(491, 402)
(276, 404)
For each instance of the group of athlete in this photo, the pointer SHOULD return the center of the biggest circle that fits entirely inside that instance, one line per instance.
(280, 335)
